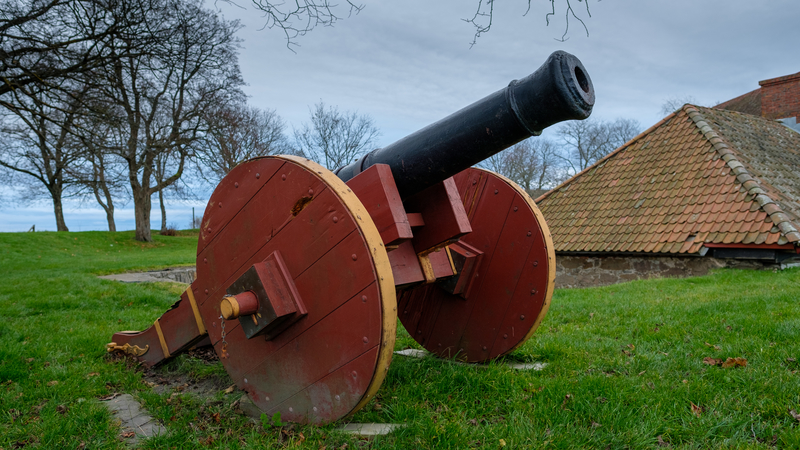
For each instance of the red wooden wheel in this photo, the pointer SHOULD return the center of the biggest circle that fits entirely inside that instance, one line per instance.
(330, 362)
(511, 288)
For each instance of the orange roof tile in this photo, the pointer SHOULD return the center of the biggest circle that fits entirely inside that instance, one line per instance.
(725, 176)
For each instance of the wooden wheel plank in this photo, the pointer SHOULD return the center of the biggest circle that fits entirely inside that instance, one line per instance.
(453, 315)
(348, 332)
(452, 326)
(304, 241)
(321, 295)
(534, 278)
(231, 251)
(348, 299)
(506, 265)
(332, 396)
(235, 190)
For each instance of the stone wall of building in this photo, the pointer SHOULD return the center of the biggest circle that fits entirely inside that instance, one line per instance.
(574, 271)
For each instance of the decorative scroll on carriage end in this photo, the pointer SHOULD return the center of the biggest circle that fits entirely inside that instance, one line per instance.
(128, 349)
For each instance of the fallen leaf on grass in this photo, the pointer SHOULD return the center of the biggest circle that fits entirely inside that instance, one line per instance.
(127, 435)
(733, 362)
(52, 383)
(92, 374)
(502, 442)
(567, 398)
(62, 409)
(712, 361)
(662, 442)
(696, 410)
(216, 417)
(596, 425)
(108, 397)
(230, 389)
(715, 347)
(795, 415)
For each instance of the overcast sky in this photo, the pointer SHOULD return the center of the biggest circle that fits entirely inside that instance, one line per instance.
(409, 63)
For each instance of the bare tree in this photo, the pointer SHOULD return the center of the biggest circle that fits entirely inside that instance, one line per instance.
(39, 144)
(674, 103)
(334, 138)
(44, 42)
(297, 18)
(187, 61)
(235, 133)
(483, 18)
(532, 163)
(586, 141)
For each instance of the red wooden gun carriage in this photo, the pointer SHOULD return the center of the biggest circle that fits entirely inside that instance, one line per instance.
(302, 272)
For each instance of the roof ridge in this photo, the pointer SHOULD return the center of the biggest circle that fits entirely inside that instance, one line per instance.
(750, 183)
(604, 158)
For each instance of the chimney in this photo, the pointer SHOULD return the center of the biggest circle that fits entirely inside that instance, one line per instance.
(780, 98)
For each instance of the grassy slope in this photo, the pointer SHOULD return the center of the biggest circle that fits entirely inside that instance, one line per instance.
(625, 363)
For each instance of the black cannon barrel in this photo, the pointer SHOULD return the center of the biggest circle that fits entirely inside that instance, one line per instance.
(559, 90)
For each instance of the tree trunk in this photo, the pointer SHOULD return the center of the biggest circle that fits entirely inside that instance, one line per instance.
(110, 218)
(163, 211)
(61, 225)
(141, 212)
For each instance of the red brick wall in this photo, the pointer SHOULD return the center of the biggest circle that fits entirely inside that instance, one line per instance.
(780, 97)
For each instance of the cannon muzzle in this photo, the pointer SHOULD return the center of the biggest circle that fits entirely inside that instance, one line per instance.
(559, 90)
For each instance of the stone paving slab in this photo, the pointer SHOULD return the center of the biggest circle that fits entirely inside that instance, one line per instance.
(370, 429)
(183, 275)
(133, 418)
(416, 353)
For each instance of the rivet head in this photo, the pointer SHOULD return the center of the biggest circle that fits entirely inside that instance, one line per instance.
(236, 185)
(474, 182)
(245, 380)
(505, 336)
(258, 175)
(522, 317)
(529, 233)
(354, 256)
(337, 397)
(364, 299)
(496, 191)
(220, 205)
(365, 339)
(311, 192)
(205, 260)
(533, 292)
(484, 348)
(266, 398)
(353, 374)
(283, 177)
(314, 408)
(206, 291)
(515, 209)
(535, 263)
(335, 219)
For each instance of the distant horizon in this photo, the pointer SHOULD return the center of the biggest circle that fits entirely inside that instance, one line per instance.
(81, 217)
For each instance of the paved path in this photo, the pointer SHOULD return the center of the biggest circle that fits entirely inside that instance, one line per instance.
(133, 418)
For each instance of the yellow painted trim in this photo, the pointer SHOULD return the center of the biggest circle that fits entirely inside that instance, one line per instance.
(427, 267)
(380, 261)
(161, 340)
(197, 317)
(450, 259)
(551, 255)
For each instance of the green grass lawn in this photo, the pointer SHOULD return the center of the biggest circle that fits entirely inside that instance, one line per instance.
(624, 364)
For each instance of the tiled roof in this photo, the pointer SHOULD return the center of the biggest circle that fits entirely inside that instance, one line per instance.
(700, 176)
(749, 103)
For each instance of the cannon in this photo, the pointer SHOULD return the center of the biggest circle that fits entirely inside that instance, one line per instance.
(302, 273)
